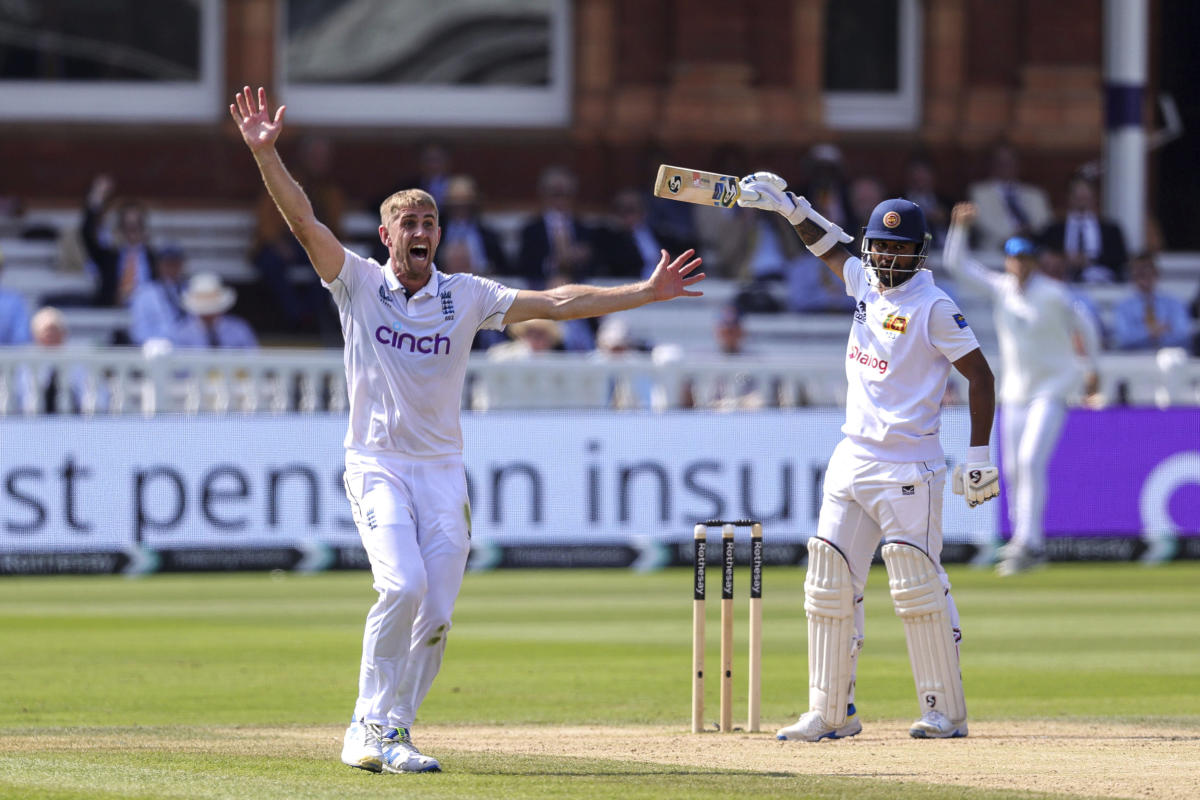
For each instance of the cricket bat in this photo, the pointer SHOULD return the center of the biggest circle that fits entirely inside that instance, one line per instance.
(697, 186)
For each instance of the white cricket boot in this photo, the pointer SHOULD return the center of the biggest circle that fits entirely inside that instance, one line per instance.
(361, 747)
(1017, 559)
(811, 727)
(401, 755)
(935, 725)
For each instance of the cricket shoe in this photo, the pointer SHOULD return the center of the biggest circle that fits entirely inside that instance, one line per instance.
(1019, 559)
(401, 755)
(361, 749)
(935, 725)
(811, 727)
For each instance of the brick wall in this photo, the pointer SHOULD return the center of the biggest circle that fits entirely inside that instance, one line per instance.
(673, 80)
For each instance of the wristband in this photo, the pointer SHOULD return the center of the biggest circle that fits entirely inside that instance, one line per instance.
(978, 455)
(833, 232)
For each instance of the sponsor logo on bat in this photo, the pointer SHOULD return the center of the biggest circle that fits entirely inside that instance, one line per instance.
(725, 192)
(675, 184)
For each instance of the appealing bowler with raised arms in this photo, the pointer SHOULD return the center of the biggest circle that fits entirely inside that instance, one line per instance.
(885, 478)
(408, 330)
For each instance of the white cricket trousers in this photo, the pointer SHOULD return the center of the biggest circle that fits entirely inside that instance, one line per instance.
(414, 520)
(1028, 435)
(867, 501)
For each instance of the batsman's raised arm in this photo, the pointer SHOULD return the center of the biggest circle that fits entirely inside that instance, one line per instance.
(671, 278)
(826, 240)
(260, 131)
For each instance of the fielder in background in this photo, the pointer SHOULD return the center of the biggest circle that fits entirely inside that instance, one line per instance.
(885, 478)
(1048, 344)
(408, 329)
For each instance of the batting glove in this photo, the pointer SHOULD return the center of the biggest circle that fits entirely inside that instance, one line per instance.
(765, 191)
(978, 482)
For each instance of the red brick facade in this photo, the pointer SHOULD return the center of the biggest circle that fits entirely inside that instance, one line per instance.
(674, 79)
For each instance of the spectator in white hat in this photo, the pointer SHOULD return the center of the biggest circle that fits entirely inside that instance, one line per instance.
(206, 301)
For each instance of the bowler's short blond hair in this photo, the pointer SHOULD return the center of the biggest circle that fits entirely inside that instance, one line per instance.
(406, 198)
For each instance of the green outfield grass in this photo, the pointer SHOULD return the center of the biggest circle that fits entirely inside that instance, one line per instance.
(131, 663)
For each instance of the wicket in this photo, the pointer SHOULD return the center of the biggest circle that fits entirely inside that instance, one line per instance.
(700, 556)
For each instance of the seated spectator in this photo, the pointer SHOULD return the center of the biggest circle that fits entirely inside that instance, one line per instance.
(772, 248)
(156, 308)
(729, 333)
(14, 315)
(614, 343)
(826, 187)
(124, 262)
(1149, 319)
(298, 301)
(527, 339)
(49, 386)
(725, 392)
(556, 240)
(1006, 206)
(630, 246)
(206, 301)
(14, 221)
(722, 233)
(671, 218)
(480, 250)
(920, 186)
(723, 236)
(865, 193)
(433, 174)
(1095, 247)
(812, 288)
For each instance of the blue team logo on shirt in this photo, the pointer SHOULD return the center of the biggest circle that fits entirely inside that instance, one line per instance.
(961, 320)
(447, 305)
(385, 297)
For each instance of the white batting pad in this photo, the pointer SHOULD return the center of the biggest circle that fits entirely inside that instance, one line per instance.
(829, 604)
(921, 601)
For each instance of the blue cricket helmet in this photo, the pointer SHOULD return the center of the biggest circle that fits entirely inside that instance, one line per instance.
(897, 220)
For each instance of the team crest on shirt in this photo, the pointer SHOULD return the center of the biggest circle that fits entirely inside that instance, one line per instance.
(860, 314)
(385, 296)
(895, 322)
(960, 320)
(447, 305)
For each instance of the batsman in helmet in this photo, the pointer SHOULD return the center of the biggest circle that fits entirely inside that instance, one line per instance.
(886, 477)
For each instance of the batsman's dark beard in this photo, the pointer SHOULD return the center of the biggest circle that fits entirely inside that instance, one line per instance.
(891, 278)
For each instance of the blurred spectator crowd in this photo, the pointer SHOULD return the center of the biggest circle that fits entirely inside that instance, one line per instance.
(157, 299)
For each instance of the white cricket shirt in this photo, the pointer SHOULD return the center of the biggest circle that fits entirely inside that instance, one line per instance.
(902, 343)
(1035, 328)
(406, 359)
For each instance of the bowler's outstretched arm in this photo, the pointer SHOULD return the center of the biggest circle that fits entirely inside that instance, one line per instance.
(260, 131)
